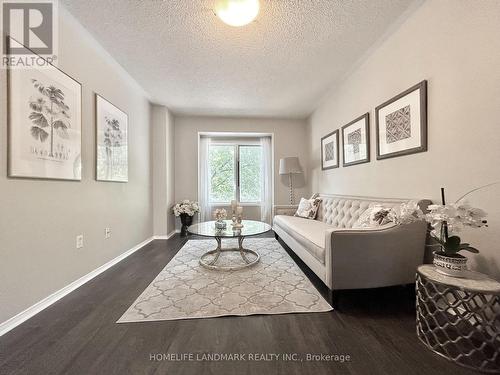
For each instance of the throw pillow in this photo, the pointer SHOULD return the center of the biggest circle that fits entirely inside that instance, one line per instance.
(373, 217)
(308, 208)
(364, 220)
(381, 215)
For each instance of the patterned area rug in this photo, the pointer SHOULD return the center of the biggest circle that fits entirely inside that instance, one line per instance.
(186, 290)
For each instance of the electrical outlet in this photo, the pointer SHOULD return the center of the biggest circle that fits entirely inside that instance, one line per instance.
(107, 232)
(79, 241)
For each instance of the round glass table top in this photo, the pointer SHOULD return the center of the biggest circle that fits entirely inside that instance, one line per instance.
(250, 228)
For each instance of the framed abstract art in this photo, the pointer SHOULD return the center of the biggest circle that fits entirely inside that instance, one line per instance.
(356, 141)
(330, 150)
(402, 123)
(45, 124)
(112, 142)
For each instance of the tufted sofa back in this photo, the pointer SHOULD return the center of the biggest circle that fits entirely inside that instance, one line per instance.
(342, 211)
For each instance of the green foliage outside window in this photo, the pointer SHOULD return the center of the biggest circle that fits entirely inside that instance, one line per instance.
(222, 168)
(250, 165)
(223, 173)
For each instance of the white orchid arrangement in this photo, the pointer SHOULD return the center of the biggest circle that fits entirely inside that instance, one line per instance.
(447, 220)
(220, 214)
(186, 207)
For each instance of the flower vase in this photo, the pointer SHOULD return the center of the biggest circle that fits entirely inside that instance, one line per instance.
(186, 221)
(455, 266)
(220, 224)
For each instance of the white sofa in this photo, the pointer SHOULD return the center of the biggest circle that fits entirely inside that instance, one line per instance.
(347, 258)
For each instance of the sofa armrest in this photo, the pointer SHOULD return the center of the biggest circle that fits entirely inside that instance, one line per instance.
(288, 209)
(368, 258)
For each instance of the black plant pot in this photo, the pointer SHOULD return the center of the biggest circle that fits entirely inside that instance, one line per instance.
(186, 221)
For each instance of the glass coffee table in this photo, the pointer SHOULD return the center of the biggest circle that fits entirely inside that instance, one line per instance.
(211, 259)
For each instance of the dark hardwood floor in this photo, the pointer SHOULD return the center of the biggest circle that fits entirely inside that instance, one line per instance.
(78, 334)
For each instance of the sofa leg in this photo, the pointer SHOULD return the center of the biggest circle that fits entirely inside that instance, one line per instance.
(333, 298)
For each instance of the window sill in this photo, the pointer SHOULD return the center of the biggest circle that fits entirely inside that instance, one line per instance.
(239, 204)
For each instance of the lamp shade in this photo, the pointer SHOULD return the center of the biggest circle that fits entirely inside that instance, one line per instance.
(290, 165)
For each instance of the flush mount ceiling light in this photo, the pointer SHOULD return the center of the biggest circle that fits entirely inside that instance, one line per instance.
(237, 12)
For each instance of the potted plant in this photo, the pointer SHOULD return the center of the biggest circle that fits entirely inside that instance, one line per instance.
(446, 221)
(186, 210)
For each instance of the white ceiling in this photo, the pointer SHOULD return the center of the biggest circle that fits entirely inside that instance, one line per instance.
(280, 65)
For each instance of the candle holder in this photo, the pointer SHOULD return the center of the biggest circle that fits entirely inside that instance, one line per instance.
(237, 218)
(237, 223)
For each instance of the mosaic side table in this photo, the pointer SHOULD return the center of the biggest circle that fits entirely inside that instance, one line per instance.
(459, 318)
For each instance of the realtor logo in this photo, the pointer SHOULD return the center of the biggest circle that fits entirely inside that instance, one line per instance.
(29, 28)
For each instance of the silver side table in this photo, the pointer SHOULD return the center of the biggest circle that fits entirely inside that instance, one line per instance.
(459, 318)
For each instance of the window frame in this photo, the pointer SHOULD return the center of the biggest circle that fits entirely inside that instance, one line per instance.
(237, 190)
(238, 185)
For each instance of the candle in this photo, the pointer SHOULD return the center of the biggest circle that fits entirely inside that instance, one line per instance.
(233, 205)
(239, 210)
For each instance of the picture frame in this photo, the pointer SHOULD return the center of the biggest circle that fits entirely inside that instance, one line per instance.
(330, 150)
(44, 108)
(111, 141)
(402, 123)
(356, 141)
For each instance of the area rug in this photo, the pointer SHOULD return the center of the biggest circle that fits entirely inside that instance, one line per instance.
(186, 290)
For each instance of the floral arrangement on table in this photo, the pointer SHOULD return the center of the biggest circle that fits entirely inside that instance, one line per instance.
(219, 215)
(446, 221)
(450, 219)
(186, 207)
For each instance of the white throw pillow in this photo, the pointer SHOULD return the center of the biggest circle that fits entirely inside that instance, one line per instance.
(374, 216)
(364, 219)
(308, 208)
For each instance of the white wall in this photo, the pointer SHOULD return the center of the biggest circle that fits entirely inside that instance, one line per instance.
(455, 45)
(163, 170)
(39, 220)
(289, 140)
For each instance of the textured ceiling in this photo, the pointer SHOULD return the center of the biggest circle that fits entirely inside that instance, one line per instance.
(280, 65)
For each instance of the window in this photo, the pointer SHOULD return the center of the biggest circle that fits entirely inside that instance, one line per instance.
(235, 173)
(249, 173)
(221, 161)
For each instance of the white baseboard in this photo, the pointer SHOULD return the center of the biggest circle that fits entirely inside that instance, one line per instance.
(168, 236)
(54, 297)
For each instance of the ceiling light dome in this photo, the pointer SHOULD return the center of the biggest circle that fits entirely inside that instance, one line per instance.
(237, 12)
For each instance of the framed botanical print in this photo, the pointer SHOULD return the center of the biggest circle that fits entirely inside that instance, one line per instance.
(330, 150)
(45, 124)
(356, 141)
(112, 142)
(402, 123)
